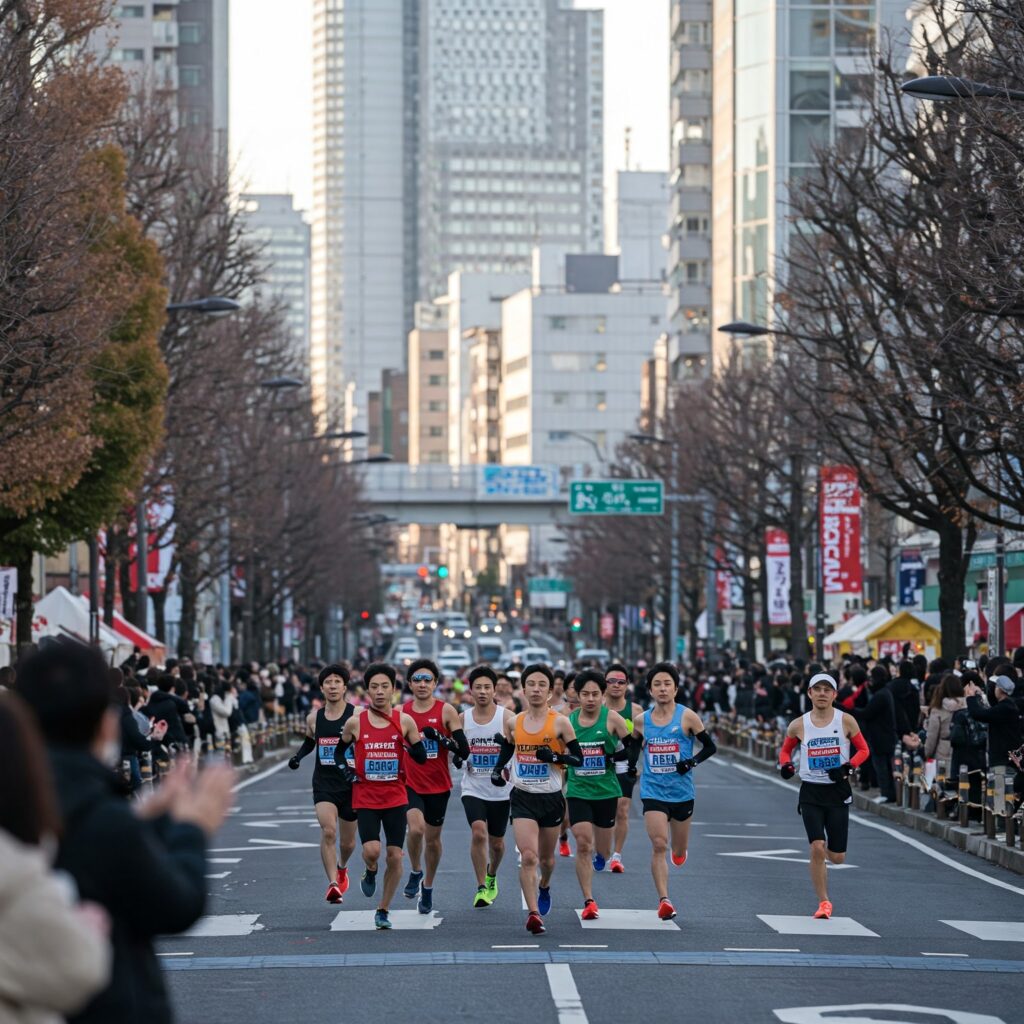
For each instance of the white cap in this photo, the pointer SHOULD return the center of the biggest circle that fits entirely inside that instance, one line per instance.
(823, 677)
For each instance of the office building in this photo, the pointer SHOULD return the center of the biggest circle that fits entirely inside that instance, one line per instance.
(284, 236)
(428, 396)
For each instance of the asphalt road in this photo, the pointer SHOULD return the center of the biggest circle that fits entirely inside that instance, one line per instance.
(743, 948)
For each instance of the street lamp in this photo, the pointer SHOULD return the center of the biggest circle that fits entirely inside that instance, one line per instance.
(209, 304)
(589, 440)
(951, 87)
(743, 329)
(331, 435)
(282, 384)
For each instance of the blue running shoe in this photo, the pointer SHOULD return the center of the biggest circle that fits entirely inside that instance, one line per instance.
(412, 887)
(368, 883)
(381, 921)
(599, 862)
(426, 904)
(543, 900)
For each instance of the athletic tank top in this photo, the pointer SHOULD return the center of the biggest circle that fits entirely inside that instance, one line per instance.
(483, 757)
(327, 735)
(432, 777)
(529, 774)
(825, 747)
(379, 758)
(664, 746)
(596, 778)
(627, 714)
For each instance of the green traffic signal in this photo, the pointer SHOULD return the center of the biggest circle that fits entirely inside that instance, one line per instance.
(577, 625)
(442, 572)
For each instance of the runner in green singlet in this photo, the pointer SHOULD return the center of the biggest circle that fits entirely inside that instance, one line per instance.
(593, 791)
(616, 698)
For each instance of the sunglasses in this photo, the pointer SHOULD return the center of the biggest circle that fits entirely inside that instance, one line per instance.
(421, 677)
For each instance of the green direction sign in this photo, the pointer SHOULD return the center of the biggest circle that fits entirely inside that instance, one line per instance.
(549, 585)
(616, 497)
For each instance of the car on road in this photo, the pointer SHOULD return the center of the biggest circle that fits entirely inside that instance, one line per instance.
(452, 662)
(490, 649)
(490, 626)
(407, 650)
(598, 654)
(425, 623)
(519, 644)
(532, 655)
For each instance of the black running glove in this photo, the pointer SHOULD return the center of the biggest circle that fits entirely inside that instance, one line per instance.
(498, 777)
(348, 773)
(430, 733)
(841, 773)
(787, 770)
(686, 765)
(308, 745)
(546, 754)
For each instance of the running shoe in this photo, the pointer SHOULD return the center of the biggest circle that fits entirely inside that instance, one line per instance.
(480, 899)
(534, 924)
(543, 899)
(616, 866)
(590, 911)
(679, 861)
(381, 921)
(665, 909)
(563, 847)
(824, 911)
(599, 862)
(342, 877)
(368, 883)
(491, 882)
(412, 887)
(426, 903)
(334, 893)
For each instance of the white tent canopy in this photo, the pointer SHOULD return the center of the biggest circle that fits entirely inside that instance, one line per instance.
(60, 613)
(857, 628)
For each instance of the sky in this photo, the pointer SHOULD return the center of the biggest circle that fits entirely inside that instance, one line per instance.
(272, 80)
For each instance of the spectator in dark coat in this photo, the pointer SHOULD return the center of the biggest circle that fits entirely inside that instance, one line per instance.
(146, 870)
(907, 699)
(167, 705)
(877, 719)
(1002, 718)
(249, 703)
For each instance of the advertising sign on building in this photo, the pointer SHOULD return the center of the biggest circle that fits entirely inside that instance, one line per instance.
(607, 626)
(840, 530)
(8, 588)
(911, 578)
(777, 566)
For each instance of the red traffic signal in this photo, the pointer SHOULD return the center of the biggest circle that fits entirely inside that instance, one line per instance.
(423, 572)
(364, 615)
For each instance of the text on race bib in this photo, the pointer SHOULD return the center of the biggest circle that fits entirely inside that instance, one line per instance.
(326, 747)
(593, 760)
(662, 756)
(380, 769)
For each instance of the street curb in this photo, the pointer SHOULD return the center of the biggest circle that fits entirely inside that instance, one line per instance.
(962, 838)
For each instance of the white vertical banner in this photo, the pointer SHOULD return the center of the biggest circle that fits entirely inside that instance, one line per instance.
(777, 567)
(8, 588)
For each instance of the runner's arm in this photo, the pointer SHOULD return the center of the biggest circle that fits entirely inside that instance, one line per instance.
(860, 745)
(573, 755)
(453, 722)
(414, 743)
(786, 767)
(308, 745)
(693, 725)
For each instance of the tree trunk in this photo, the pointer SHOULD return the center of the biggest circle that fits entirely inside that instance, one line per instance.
(189, 600)
(749, 630)
(952, 573)
(110, 564)
(22, 561)
(160, 614)
(129, 598)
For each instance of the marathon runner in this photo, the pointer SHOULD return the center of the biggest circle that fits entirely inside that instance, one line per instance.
(429, 785)
(486, 806)
(827, 734)
(616, 698)
(332, 780)
(381, 737)
(666, 781)
(593, 793)
(538, 742)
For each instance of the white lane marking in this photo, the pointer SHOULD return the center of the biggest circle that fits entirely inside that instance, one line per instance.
(760, 949)
(823, 1014)
(220, 874)
(402, 920)
(909, 840)
(221, 925)
(260, 776)
(774, 855)
(944, 954)
(580, 945)
(785, 924)
(175, 954)
(758, 837)
(628, 921)
(262, 845)
(991, 931)
(533, 946)
(278, 822)
(565, 994)
(224, 860)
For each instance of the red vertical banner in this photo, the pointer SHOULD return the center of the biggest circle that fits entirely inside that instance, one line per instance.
(840, 530)
(723, 580)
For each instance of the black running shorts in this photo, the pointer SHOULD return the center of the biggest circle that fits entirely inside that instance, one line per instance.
(494, 812)
(627, 784)
(829, 823)
(341, 798)
(547, 809)
(600, 813)
(433, 806)
(676, 811)
(391, 819)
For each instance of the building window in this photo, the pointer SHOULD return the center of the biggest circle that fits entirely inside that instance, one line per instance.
(694, 271)
(436, 353)
(435, 432)
(435, 380)
(809, 33)
(854, 31)
(518, 441)
(600, 361)
(807, 132)
(557, 323)
(600, 325)
(129, 54)
(190, 75)
(438, 405)
(436, 456)
(600, 400)
(809, 90)
(190, 32)
(129, 11)
(558, 435)
(570, 362)
(517, 364)
(516, 403)
(559, 397)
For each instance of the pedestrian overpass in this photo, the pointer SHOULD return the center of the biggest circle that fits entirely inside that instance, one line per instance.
(471, 497)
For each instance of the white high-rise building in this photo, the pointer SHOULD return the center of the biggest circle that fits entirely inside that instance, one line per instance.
(284, 235)
(448, 135)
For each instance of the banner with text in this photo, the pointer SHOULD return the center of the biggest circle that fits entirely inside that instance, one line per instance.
(912, 573)
(8, 588)
(777, 567)
(840, 530)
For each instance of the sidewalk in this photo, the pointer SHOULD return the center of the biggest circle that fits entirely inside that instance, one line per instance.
(970, 840)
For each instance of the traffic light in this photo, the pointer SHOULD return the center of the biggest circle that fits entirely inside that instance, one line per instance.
(442, 572)
(423, 572)
(577, 624)
(364, 615)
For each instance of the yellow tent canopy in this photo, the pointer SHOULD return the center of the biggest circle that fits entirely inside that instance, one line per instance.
(906, 627)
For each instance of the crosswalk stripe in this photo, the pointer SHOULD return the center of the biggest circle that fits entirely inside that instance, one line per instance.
(806, 925)
(222, 925)
(402, 920)
(991, 931)
(627, 921)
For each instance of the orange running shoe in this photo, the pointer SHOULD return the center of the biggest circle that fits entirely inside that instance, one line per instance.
(824, 910)
(665, 910)
(343, 879)
(616, 866)
(563, 848)
(679, 861)
(534, 924)
(334, 894)
(590, 911)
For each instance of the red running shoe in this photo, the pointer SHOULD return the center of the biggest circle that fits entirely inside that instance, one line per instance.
(666, 911)
(824, 911)
(590, 911)
(616, 866)
(563, 848)
(343, 879)
(679, 861)
(534, 924)
(334, 894)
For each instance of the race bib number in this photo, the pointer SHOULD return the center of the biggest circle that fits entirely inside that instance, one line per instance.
(593, 761)
(662, 756)
(430, 746)
(326, 747)
(381, 769)
(823, 752)
(530, 771)
(483, 758)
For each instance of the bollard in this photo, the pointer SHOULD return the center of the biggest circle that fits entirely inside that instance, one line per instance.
(964, 792)
(940, 789)
(988, 813)
(998, 796)
(897, 775)
(1011, 822)
(915, 783)
(146, 768)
